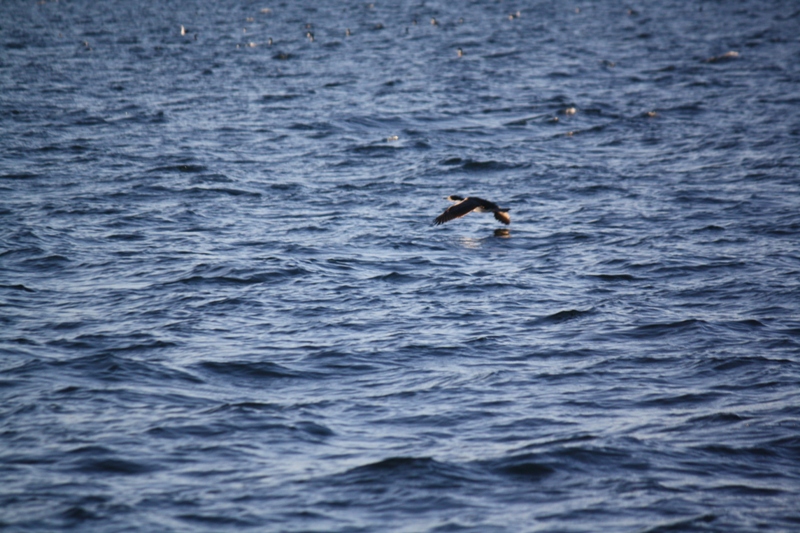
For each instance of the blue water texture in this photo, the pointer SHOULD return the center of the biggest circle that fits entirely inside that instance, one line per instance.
(224, 305)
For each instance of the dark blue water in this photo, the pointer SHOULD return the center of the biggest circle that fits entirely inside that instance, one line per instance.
(223, 306)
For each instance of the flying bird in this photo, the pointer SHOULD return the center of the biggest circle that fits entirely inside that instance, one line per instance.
(464, 206)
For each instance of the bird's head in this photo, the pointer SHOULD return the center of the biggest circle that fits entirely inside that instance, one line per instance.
(454, 198)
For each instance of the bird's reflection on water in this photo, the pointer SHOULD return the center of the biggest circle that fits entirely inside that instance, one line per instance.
(477, 242)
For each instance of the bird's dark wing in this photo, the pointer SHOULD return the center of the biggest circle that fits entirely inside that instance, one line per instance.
(457, 211)
(485, 204)
(502, 216)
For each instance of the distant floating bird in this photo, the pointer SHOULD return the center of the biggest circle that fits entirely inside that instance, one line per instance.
(465, 206)
(724, 57)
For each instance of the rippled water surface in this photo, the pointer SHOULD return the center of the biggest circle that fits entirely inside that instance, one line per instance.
(224, 306)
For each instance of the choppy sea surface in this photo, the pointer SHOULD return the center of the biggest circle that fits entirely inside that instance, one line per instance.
(224, 306)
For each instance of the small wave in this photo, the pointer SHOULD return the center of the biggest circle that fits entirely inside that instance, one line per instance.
(303, 126)
(669, 328)
(181, 431)
(113, 466)
(472, 165)
(213, 521)
(184, 168)
(314, 429)
(126, 237)
(754, 452)
(788, 447)
(724, 364)
(90, 121)
(740, 489)
(280, 97)
(697, 523)
(254, 370)
(286, 186)
(90, 450)
(113, 368)
(77, 514)
(395, 277)
(223, 190)
(376, 149)
(423, 472)
(710, 227)
(593, 457)
(530, 467)
(614, 277)
(17, 287)
(748, 324)
(232, 279)
(54, 261)
(722, 418)
(687, 399)
(244, 408)
(564, 316)
(506, 53)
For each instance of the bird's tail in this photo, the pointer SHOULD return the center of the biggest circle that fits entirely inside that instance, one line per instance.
(501, 215)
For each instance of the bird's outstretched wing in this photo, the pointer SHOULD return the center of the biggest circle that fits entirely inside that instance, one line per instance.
(457, 211)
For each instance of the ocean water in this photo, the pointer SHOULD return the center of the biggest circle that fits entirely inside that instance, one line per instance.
(224, 306)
